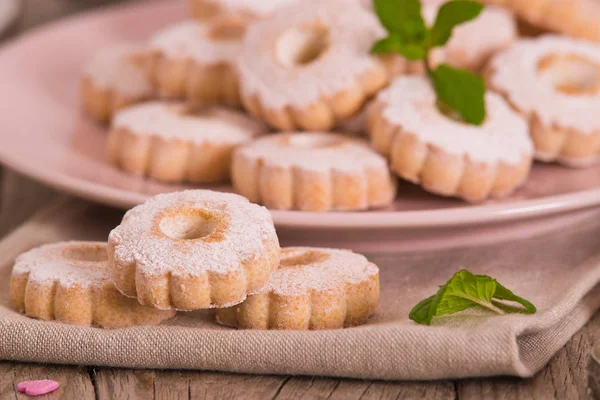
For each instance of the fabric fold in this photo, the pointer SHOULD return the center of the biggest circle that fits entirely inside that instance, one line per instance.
(558, 271)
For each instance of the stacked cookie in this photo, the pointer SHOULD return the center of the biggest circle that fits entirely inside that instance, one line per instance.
(211, 88)
(195, 250)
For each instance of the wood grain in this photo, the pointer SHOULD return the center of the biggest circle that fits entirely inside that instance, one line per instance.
(20, 198)
(123, 384)
(75, 383)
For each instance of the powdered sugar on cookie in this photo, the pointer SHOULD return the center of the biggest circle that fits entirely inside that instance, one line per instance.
(260, 8)
(119, 68)
(196, 41)
(307, 50)
(83, 264)
(314, 152)
(303, 269)
(231, 231)
(538, 89)
(410, 103)
(178, 121)
(474, 42)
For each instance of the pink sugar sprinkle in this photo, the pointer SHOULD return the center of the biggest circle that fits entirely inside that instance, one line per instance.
(37, 388)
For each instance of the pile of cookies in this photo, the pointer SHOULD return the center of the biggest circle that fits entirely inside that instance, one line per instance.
(192, 250)
(197, 101)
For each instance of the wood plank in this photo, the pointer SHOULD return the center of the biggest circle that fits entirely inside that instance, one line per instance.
(20, 198)
(123, 384)
(565, 376)
(222, 386)
(171, 385)
(7, 379)
(75, 383)
(307, 388)
(325, 388)
(410, 390)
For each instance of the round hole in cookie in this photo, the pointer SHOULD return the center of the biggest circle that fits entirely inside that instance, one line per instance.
(229, 28)
(302, 45)
(293, 259)
(571, 74)
(313, 141)
(189, 225)
(83, 252)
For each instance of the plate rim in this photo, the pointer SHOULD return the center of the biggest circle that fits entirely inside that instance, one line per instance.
(448, 217)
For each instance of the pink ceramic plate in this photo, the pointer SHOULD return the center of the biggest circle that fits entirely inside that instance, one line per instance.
(44, 136)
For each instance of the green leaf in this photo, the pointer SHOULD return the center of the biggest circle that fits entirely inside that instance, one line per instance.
(402, 17)
(420, 312)
(461, 91)
(465, 290)
(395, 44)
(450, 15)
(503, 293)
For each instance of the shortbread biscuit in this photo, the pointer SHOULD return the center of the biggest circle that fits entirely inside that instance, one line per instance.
(446, 156)
(312, 172)
(71, 282)
(193, 249)
(114, 78)
(173, 142)
(313, 288)
(309, 65)
(577, 18)
(555, 83)
(474, 43)
(194, 61)
(249, 9)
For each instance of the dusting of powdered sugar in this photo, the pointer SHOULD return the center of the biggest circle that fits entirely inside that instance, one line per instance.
(516, 74)
(177, 121)
(51, 263)
(116, 68)
(334, 271)
(248, 227)
(191, 39)
(261, 8)
(474, 42)
(351, 30)
(410, 103)
(314, 152)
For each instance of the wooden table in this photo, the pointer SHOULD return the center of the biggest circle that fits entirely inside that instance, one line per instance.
(563, 378)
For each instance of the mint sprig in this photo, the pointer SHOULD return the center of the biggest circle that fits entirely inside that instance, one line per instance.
(467, 290)
(456, 89)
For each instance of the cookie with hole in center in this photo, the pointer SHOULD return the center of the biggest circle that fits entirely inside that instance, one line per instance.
(114, 78)
(443, 154)
(249, 9)
(194, 61)
(313, 172)
(174, 142)
(313, 288)
(555, 83)
(309, 66)
(193, 249)
(70, 282)
(577, 18)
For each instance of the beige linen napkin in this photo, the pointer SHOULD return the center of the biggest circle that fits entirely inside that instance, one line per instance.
(558, 272)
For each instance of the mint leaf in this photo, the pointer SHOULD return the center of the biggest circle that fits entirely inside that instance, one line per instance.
(465, 290)
(395, 44)
(462, 91)
(458, 92)
(503, 293)
(402, 17)
(420, 312)
(450, 15)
